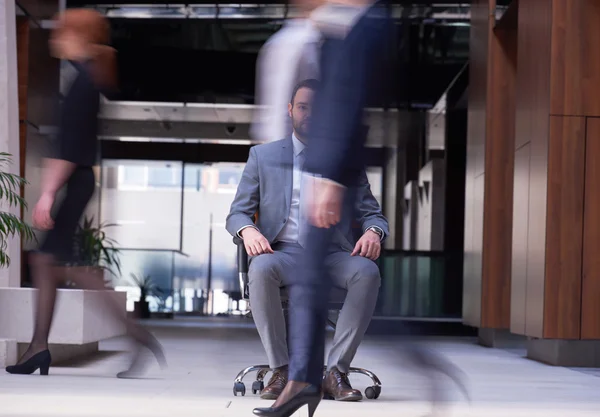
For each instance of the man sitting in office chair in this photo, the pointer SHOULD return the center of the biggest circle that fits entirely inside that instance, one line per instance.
(271, 187)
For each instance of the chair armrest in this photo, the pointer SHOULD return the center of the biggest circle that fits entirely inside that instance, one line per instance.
(242, 264)
(242, 255)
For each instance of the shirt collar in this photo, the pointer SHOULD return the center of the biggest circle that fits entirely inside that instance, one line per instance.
(298, 145)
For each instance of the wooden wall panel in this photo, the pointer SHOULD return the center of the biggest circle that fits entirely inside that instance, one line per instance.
(518, 301)
(478, 70)
(590, 302)
(471, 307)
(478, 79)
(533, 81)
(472, 284)
(499, 162)
(564, 228)
(575, 59)
(532, 112)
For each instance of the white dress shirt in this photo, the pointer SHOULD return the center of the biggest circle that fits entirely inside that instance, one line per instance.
(288, 57)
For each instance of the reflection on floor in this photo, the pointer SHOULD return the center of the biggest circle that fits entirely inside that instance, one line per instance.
(205, 356)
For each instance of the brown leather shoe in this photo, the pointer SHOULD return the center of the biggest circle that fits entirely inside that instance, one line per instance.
(276, 384)
(337, 386)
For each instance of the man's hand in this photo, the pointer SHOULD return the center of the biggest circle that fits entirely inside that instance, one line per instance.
(41, 212)
(255, 243)
(325, 203)
(368, 246)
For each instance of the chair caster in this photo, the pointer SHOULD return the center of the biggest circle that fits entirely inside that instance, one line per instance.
(257, 387)
(239, 387)
(372, 393)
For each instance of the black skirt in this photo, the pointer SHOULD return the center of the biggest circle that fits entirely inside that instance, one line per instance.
(60, 240)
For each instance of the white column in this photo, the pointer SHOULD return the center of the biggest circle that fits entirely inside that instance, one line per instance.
(9, 123)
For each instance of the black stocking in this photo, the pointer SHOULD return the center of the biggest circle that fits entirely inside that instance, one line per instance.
(46, 281)
(47, 277)
(85, 278)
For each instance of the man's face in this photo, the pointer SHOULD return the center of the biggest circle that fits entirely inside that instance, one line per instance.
(300, 111)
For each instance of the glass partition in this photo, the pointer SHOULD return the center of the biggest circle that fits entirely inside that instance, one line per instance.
(170, 221)
(159, 266)
(170, 225)
(143, 198)
(412, 284)
(208, 193)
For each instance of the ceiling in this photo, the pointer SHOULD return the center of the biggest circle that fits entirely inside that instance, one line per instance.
(187, 72)
(216, 123)
(206, 52)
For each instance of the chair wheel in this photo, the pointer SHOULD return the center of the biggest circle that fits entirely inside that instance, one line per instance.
(372, 393)
(257, 387)
(239, 387)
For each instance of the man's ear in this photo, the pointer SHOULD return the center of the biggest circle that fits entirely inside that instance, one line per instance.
(290, 107)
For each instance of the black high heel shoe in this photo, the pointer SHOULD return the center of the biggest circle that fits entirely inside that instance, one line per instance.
(39, 361)
(140, 362)
(310, 396)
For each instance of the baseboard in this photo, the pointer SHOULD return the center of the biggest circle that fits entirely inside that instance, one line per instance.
(420, 327)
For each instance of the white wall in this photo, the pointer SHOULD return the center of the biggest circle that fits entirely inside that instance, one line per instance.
(9, 122)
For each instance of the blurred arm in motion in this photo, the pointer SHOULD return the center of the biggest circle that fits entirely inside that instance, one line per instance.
(289, 56)
(55, 175)
(354, 70)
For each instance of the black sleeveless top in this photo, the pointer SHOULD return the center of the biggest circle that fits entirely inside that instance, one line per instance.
(78, 125)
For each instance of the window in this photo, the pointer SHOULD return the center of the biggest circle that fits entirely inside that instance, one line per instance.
(133, 175)
(228, 176)
(164, 177)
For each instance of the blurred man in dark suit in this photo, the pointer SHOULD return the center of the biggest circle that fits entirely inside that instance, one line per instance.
(353, 68)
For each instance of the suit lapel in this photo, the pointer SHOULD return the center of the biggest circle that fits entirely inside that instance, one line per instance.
(287, 172)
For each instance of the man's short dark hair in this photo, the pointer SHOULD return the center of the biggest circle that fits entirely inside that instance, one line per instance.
(310, 83)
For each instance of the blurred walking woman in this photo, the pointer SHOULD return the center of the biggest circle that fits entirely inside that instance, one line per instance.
(80, 36)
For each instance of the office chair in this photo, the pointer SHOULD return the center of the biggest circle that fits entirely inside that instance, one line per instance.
(337, 297)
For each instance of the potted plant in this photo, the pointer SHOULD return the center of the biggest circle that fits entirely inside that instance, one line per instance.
(163, 311)
(10, 224)
(147, 288)
(95, 250)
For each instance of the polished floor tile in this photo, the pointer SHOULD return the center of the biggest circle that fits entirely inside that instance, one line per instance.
(205, 355)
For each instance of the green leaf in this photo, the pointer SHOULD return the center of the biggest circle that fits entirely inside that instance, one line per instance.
(96, 248)
(10, 224)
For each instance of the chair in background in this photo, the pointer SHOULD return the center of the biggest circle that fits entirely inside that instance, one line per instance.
(338, 295)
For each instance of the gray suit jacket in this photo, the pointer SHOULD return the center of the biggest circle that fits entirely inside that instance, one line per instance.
(266, 188)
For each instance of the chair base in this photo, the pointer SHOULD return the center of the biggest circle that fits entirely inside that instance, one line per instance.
(373, 392)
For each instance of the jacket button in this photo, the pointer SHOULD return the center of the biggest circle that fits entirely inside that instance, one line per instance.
(284, 220)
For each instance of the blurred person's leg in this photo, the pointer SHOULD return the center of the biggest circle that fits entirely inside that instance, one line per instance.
(49, 271)
(360, 277)
(309, 302)
(57, 247)
(267, 273)
(46, 282)
(309, 298)
(86, 279)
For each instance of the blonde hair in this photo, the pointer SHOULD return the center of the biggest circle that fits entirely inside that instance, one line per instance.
(95, 30)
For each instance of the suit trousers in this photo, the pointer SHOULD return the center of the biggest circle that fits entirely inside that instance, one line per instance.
(269, 272)
(309, 299)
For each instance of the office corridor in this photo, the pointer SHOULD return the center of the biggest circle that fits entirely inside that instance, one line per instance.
(205, 356)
